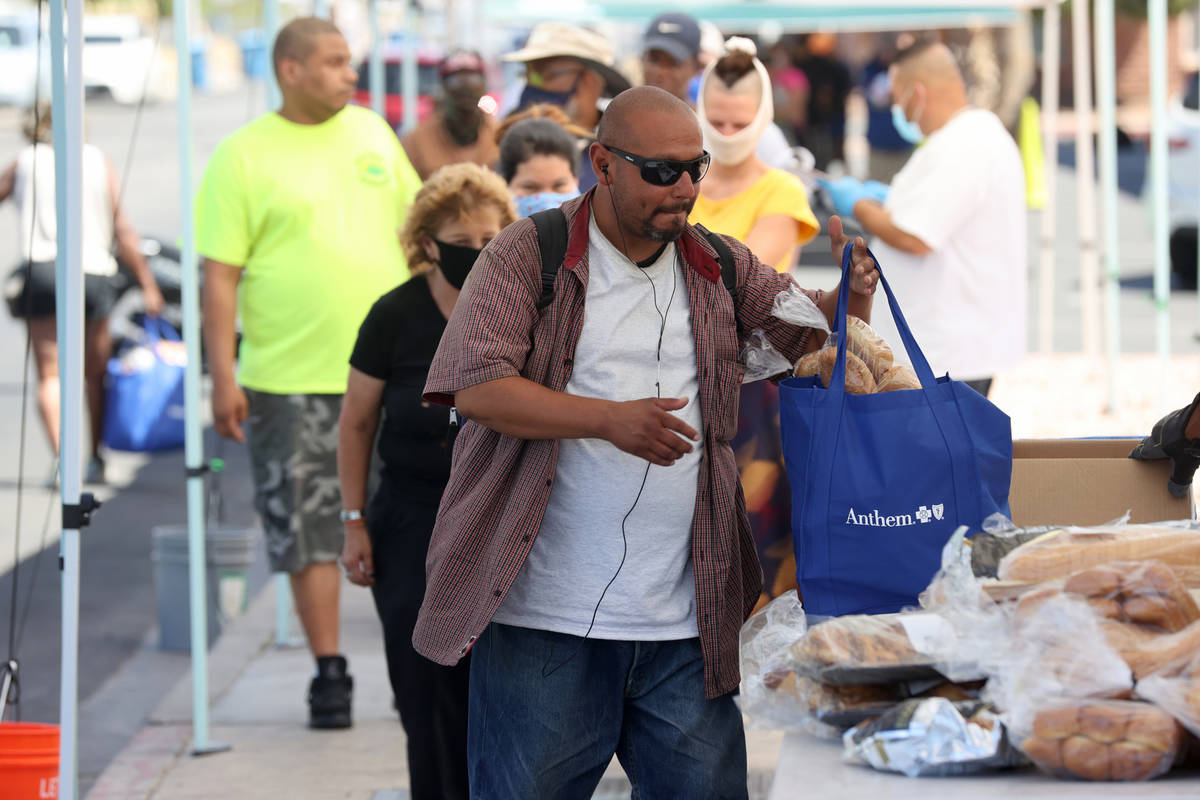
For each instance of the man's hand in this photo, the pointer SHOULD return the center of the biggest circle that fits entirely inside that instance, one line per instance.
(646, 429)
(863, 275)
(153, 299)
(357, 554)
(230, 409)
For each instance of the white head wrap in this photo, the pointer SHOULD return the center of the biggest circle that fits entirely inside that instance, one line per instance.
(737, 147)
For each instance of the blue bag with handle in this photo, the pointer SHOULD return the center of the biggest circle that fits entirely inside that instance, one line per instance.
(881, 481)
(144, 409)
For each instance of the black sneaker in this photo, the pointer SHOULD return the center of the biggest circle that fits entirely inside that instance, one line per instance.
(1167, 440)
(329, 694)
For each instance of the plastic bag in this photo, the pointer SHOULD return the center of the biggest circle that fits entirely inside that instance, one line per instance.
(1058, 652)
(144, 405)
(1176, 689)
(1104, 740)
(1067, 550)
(864, 649)
(932, 737)
(761, 359)
(794, 306)
(766, 697)
(1147, 652)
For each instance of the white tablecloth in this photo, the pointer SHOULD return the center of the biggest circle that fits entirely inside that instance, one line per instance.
(812, 769)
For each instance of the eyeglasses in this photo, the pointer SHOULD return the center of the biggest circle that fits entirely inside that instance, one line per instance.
(666, 171)
(539, 79)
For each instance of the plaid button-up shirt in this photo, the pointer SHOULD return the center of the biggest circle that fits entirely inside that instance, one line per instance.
(499, 485)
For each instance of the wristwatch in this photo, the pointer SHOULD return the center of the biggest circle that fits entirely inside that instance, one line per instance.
(351, 515)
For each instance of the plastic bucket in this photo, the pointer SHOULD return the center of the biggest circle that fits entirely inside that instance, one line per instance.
(28, 761)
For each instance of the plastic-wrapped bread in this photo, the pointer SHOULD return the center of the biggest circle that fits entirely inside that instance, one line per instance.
(858, 378)
(1146, 652)
(1105, 740)
(898, 378)
(1175, 688)
(868, 345)
(1062, 552)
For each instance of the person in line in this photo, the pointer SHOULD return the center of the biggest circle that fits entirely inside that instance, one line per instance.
(591, 550)
(767, 210)
(951, 230)
(573, 69)
(538, 162)
(458, 130)
(29, 180)
(457, 212)
(829, 88)
(297, 218)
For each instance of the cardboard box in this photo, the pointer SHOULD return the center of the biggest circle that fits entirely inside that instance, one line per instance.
(1089, 482)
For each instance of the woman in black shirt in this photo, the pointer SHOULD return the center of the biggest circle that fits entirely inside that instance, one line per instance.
(455, 214)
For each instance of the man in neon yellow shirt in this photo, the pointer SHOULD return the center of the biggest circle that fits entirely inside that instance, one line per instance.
(297, 219)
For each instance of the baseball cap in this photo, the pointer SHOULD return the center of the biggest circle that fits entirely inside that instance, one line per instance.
(460, 61)
(676, 34)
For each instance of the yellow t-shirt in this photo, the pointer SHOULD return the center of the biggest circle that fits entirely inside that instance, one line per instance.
(776, 192)
(312, 213)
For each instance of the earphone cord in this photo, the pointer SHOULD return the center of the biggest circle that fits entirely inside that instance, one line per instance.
(547, 671)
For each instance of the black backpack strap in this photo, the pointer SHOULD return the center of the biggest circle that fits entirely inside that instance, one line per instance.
(552, 241)
(725, 259)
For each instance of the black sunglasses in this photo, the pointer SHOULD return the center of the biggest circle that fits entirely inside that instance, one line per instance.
(666, 171)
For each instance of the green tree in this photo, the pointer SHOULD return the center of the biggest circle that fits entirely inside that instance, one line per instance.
(1138, 8)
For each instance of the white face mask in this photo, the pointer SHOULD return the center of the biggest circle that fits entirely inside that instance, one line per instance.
(735, 148)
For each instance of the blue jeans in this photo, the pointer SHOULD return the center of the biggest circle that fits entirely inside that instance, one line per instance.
(548, 711)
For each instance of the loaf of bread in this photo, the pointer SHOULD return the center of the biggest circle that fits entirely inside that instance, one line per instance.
(898, 378)
(869, 346)
(1062, 552)
(1146, 652)
(1145, 593)
(1105, 740)
(855, 641)
(858, 378)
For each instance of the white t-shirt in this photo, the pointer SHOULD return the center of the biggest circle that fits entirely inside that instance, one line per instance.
(963, 194)
(579, 547)
(97, 227)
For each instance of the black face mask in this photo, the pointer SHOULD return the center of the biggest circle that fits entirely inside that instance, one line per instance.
(456, 261)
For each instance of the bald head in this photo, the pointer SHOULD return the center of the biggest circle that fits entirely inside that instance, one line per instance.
(929, 62)
(298, 39)
(636, 116)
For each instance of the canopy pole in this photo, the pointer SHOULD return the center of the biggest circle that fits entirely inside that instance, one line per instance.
(1106, 91)
(375, 76)
(409, 71)
(1051, 35)
(1158, 184)
(68, 147)
(270, 29)
(1085, 179)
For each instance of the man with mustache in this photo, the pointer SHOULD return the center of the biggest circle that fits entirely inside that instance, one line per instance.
(592, 546)
(458, 131)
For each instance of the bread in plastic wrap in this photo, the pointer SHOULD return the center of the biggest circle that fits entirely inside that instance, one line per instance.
(765, 645)
(869, 346)
(1062, 552)
(1104, 740)
(1175, 688)
(1147, 652)
(861, 649)
(1145, 593)
(858, 378)
(899, 378)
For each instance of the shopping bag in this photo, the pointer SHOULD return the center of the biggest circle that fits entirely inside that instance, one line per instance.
(144, 406)
(881, 481)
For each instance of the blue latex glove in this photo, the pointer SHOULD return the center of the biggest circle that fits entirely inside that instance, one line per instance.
(877, 191)
(844, 193)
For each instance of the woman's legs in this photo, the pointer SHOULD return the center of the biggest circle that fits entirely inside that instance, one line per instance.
(43, 333)
(97, 349)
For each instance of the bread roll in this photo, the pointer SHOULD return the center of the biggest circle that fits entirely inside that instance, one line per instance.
(858, 378)
(869, 346)
(1129, 761)
(898, 378)
(1152, 727)
(1085, 758)
(1106, 608)
(1056, 723)
(1105, 724)
(1046, 753)
(1102, 581)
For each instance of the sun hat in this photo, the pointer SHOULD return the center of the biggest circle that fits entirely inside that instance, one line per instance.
(559, 40)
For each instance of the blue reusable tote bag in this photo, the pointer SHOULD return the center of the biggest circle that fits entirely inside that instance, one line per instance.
(881, 481)
(144, 406)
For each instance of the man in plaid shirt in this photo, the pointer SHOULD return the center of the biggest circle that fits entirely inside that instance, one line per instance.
(592, 544)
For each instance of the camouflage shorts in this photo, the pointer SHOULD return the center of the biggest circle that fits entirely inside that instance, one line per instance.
(293, 451)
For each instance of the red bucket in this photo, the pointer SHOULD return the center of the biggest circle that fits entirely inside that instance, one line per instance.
(28, 761)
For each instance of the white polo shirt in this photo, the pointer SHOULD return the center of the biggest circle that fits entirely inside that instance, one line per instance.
(963, 194)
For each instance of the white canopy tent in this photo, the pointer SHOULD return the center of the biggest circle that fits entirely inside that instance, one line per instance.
(797, 15)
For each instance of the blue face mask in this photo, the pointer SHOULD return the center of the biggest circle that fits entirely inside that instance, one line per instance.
(533, 203)
(909, 131)
(532, 95)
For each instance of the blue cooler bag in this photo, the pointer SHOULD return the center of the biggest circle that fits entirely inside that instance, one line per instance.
(144, 409)
(881, 481)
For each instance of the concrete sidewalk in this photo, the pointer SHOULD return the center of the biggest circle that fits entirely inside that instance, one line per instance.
(258, 708)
